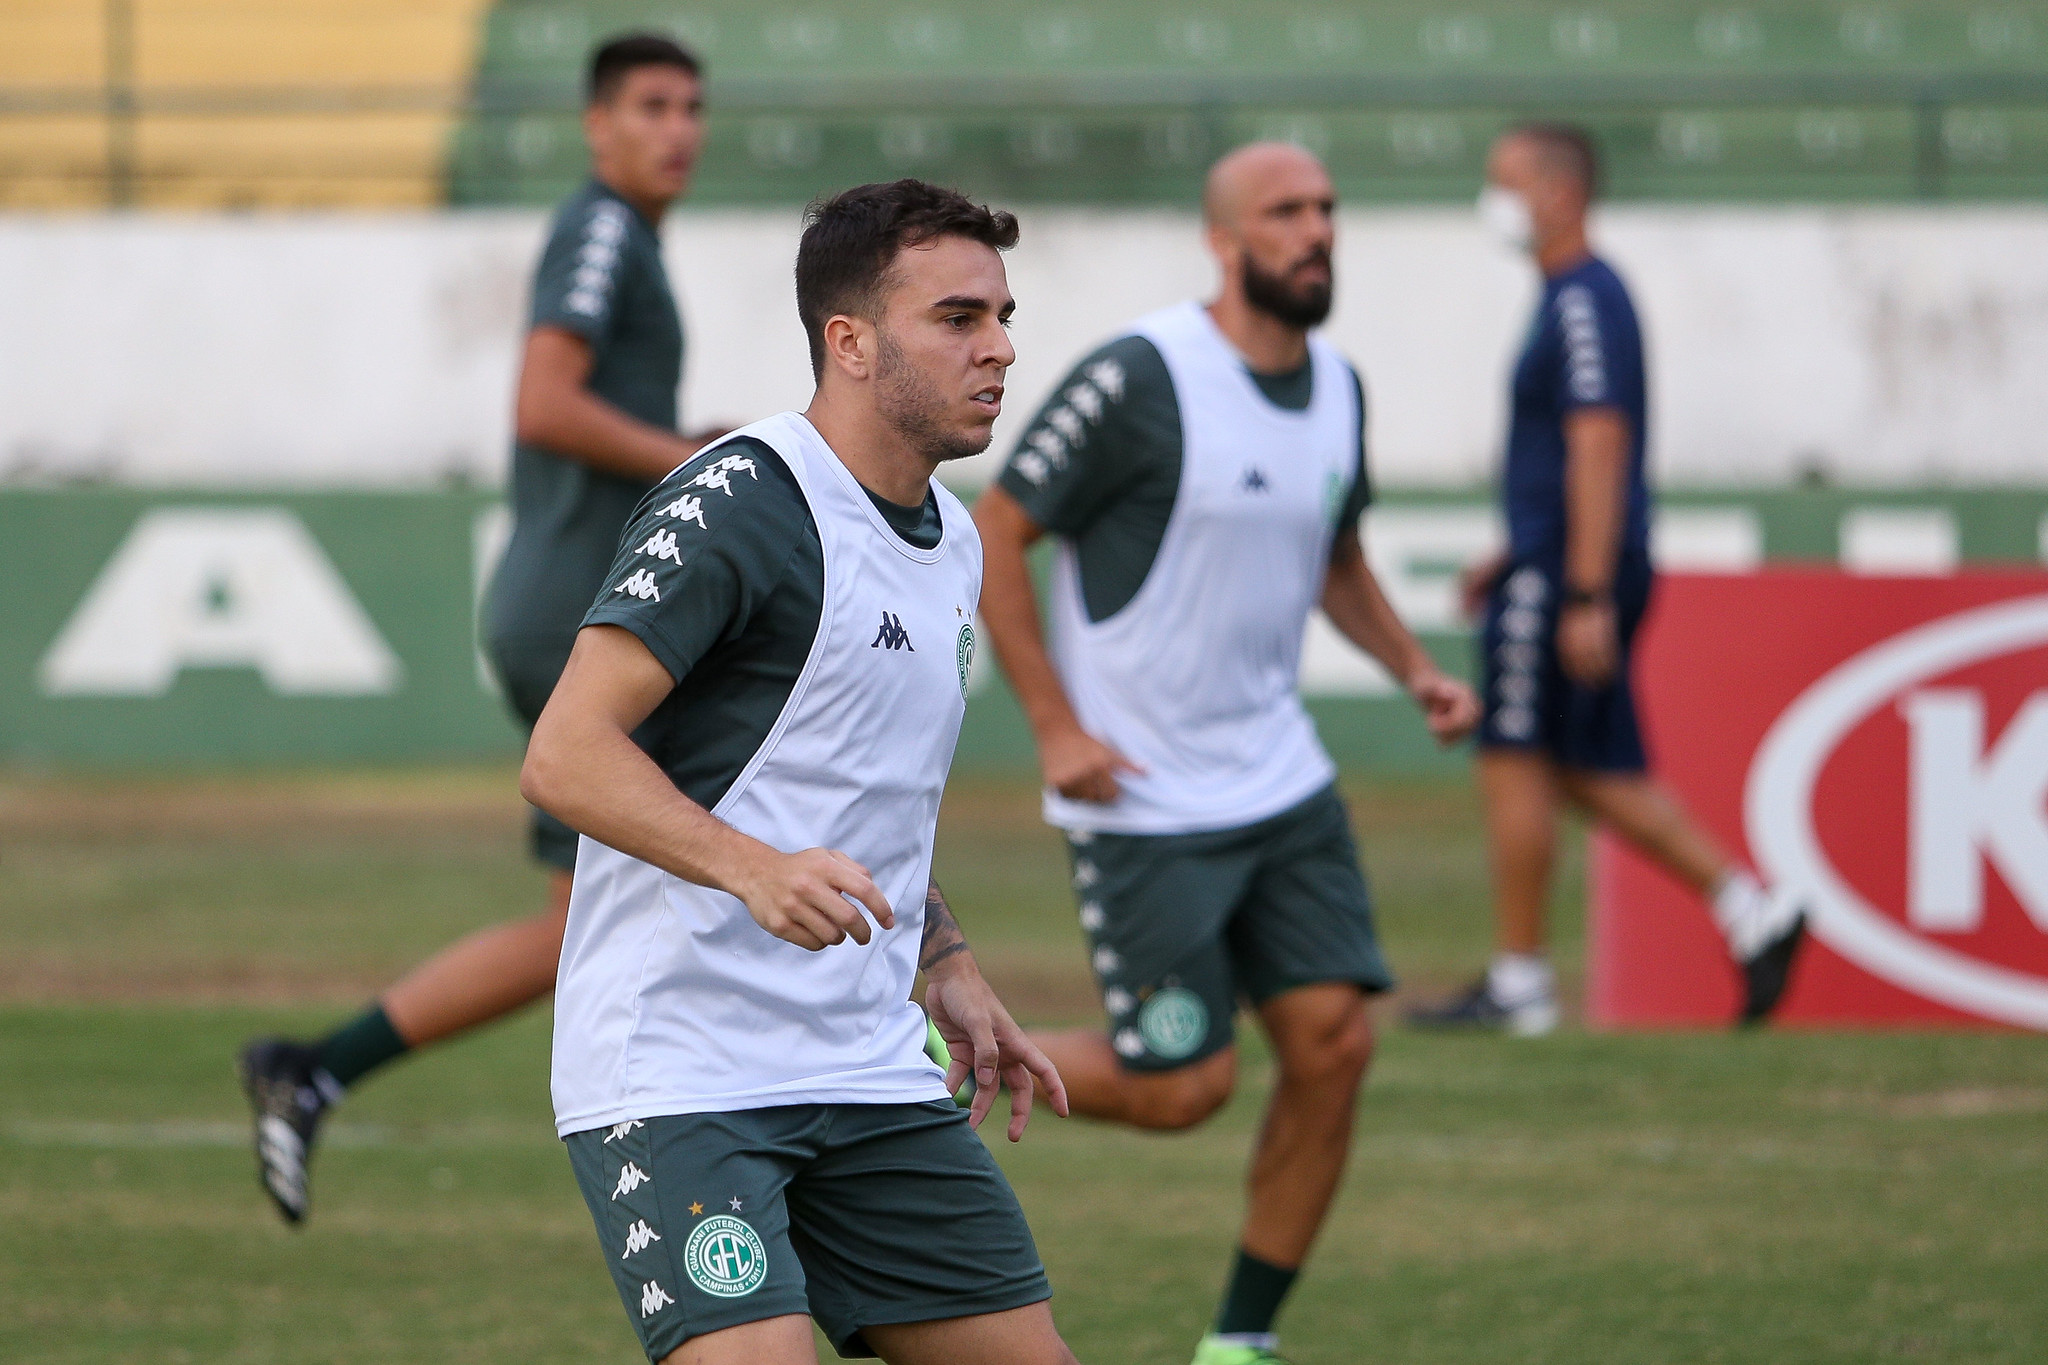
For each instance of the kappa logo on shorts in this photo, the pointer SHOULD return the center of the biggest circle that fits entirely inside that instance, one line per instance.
(619, 1130)
(638, 1238)
(725, 1257)
(631, 1178)
(653, 1298)
(1174, 1021)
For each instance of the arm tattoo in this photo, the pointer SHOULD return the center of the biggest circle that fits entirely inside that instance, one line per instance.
(942, 936)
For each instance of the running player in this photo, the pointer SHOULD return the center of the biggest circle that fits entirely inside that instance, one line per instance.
(596, 426)
(778, 661)
(1204, 475)
(1562, 605)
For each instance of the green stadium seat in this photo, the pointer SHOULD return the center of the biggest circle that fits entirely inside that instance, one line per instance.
(1124, 102)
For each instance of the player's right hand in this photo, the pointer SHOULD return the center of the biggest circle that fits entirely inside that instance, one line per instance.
(1081, 767)
(801, 898)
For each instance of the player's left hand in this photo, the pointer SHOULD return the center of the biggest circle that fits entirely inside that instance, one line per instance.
(975, 1025)
(1588, 648)
(1448, 706)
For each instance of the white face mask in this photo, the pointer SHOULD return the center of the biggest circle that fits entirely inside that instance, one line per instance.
(1506, 215)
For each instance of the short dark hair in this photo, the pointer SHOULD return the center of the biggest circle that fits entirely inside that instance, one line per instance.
(1567, 149)
(616, 58)
(851, 239)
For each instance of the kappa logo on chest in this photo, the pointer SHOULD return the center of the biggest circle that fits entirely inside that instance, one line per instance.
(892, 635)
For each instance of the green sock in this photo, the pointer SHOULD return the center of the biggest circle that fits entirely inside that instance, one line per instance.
(360, 1046)
(1253, 1299)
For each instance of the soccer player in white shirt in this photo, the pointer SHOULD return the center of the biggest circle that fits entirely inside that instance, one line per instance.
(1204, 475)
(752, 735)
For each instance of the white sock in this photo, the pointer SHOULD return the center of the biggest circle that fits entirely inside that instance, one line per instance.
(1264, 1341)
(1517, 979)
(1747, 914)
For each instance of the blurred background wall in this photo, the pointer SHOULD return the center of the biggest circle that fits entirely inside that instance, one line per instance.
(1866, 345)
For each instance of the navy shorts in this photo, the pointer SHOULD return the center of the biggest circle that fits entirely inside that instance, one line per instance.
(1530, 703)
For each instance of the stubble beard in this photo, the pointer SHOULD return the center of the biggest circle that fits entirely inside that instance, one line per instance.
(1302, 306)
(916, 411)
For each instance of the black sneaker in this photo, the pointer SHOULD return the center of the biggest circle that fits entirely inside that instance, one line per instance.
(1766, 973)
(290, 1095)
(1478, 1007)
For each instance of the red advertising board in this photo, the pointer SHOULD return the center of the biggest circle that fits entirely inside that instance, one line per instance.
(1879, 743)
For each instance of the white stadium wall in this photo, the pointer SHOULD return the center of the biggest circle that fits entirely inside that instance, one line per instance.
(1877, 346)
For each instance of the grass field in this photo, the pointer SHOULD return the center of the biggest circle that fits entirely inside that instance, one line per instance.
(1686, 1198)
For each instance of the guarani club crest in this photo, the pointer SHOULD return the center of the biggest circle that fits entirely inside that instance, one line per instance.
(1173, 1022)
(965, 652)
(724, 1257)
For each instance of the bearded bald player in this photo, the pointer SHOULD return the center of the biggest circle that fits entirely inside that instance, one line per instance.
(1204, 475)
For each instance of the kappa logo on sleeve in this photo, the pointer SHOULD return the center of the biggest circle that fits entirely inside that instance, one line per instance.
(1108, 376)
(718, 474)
(689, 507)
(640, 585)
(1085, 399)
(596, 260)
(662, 545)
(1585, 357)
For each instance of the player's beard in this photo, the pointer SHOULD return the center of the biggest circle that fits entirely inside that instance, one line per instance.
(1297, 305)
(916, 408)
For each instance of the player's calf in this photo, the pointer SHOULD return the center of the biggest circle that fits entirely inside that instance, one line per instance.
(1171, 1101)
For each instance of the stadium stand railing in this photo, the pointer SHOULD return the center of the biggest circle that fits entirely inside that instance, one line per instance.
(1118, 102)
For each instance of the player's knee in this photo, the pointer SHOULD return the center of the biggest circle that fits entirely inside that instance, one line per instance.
(1352, 1048)
(1335, 1053)
(1175, 1100)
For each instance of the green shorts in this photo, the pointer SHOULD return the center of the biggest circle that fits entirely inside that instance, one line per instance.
(1181, 926)
(528, 671)
(856, 1214)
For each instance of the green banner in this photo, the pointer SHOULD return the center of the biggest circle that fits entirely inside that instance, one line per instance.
(168, 627)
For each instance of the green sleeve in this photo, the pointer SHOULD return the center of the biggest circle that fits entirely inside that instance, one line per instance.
(1110, 425)
(1360, 496)
(581, 269)
(703, 552)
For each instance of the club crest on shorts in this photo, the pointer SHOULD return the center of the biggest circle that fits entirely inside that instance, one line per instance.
(1173, 1022)
(724, 1256)
(966, 655)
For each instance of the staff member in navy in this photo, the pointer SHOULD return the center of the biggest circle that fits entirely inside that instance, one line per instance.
(1561, 607)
